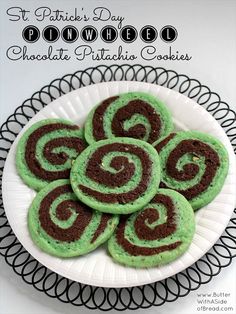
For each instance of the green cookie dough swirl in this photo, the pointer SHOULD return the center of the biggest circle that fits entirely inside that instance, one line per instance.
(135, 114)
(156, 235)
(118, 175)
(61, 225)
(193, 163)
(46, 150)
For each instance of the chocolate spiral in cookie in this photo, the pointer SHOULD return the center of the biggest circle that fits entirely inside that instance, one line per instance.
(194, 164)
(137, 115)
(160, 144)
(46, 151)
(69, 227)
(154, 235)
(117, 176)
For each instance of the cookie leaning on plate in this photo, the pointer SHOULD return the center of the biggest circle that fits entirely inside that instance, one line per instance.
(117, 176)
(61, 225)
(156, 235)
(46, 150)
(193, 163)
(136, 114)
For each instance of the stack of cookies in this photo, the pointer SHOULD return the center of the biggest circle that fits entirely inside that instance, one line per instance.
(125, 178)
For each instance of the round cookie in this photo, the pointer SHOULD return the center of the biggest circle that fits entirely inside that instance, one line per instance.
(117, 176)
(135, 114)
(193, 163)
(156, 235)
(46, 151)
(61, 225)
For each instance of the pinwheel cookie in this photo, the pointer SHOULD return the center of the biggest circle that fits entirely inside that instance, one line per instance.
(118, 175)
(61, 225)
(193, 163)
(156, 235)
(46, 150)
(135, 114)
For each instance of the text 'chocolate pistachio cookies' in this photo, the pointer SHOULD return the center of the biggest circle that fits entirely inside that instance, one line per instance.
(135, 114)
(61, 225)
(193, 163)
(46, 150)
(156, 235)
(117, 176)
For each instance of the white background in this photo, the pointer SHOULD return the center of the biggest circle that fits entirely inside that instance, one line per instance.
(207, 31)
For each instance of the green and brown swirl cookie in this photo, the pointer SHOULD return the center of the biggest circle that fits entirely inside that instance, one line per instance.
(46, 150)
(156, 235)
(117, 176)
(193, 163)
(135, 114)
(61, 225)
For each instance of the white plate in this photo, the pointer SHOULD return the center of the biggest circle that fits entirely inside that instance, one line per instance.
(97, 268)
